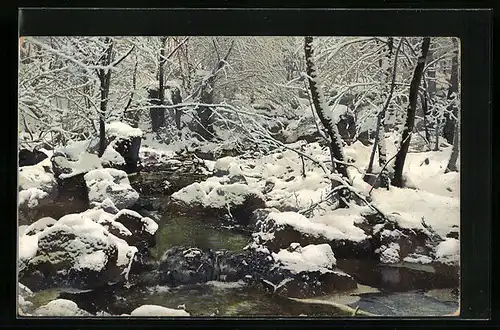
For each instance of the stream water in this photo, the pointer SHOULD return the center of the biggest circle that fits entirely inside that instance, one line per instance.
(383, 290)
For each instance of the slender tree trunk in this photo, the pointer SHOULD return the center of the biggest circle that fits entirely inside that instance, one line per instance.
(452, 110)
(161, 86)
(410, 115)
(105, 79)
(379, 142)
(319, 103)
(206, 129)
(452, 163)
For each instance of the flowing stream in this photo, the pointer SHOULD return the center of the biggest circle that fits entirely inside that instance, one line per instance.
(383, 290)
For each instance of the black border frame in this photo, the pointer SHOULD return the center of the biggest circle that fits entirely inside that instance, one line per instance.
(473, 27)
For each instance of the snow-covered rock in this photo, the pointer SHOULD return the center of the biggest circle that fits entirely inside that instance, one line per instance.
(448, 252)
(39, 177)
(74, 251)
(39, 226)
(390, 254)
(32, 197)
(236, 199)
(309, 258)
(307, 271)
(60, 307)
(337, 229)
(121, 130)
(110, 184)
(142, 229)
(122, 151)
(155, 310)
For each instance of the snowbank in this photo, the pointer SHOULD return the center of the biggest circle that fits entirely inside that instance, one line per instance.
(155, 310)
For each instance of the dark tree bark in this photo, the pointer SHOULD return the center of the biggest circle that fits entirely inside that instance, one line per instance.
(335, 143)
(104, 78)
(385, 78)
(452, 110)
(452, 163)
(410, 115)
(158, 112)
(132, 116)
(205, 129)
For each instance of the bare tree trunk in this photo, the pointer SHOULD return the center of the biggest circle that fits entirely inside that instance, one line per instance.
(161, 86)
(207, 96)
(336, 151)
(452, 163)
(452, 110)
(133, 117)
(410, 115)
(105, 79)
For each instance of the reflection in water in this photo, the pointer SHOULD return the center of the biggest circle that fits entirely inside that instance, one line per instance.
(176, 230)
(390, 276)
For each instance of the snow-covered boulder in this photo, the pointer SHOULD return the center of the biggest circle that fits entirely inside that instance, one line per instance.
(60, 307)
(155, 310)
(123, 147)
(39, 226)
(142, 229)
(65, 167)
(236, 200)
(308, 271)
(37, 188)
(221, 166)
(24, 293)
(75, 252)
(110, 184)
(338, 229)
(448, 252)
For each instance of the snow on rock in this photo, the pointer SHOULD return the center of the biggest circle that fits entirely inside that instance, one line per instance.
(95, 261)
(110, 184)
(155, 310)
(389, 254)
(27, 247)
(24, 305)
(194, 194)
(448, 252)
(37, 176)
(230, 195)
(76, 248)
(121, 130)
(60, 307)
(415, 258)
(142, 228)
(39, 225)
(210, 195)
(306, 259)
(223, 164)
(24, 291)
(75, 149)
(85, 163)
(330, 226)
(32, 197)
(111, 157)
